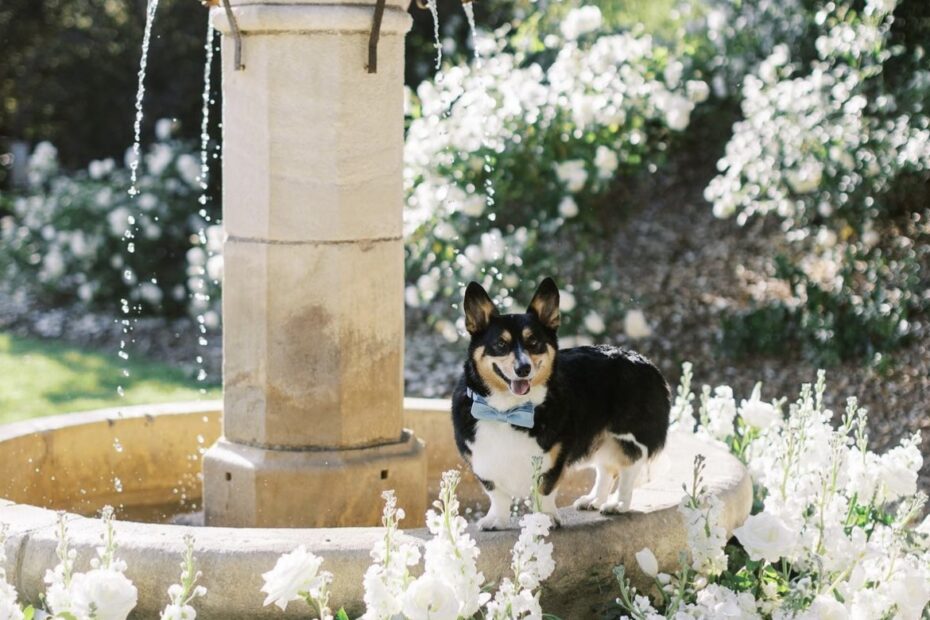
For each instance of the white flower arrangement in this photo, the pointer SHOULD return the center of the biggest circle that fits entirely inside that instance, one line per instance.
(834, 537)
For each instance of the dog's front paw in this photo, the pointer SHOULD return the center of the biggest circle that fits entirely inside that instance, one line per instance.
(585, 502)
(492, 522)
(614, 508)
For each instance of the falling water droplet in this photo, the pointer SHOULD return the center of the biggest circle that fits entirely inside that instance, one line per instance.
(118, 484)
(140, 94)
(434, 10)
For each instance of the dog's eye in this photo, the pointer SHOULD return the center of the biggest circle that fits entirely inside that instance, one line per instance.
(501, 344)
(531, 341)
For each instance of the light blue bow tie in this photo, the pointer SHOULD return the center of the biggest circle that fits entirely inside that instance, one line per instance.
(521, 415)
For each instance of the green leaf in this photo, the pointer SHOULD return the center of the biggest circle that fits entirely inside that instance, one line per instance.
(341, 614)
(29, 613)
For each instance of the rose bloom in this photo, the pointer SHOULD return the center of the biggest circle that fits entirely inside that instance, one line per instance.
(757, 413)
(766, 537)
(430, 598)
(294, 572)
(107, 593)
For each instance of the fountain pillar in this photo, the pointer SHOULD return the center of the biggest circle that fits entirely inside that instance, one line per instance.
(313, 307)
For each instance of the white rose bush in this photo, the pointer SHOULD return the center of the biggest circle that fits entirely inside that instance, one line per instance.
(835, 145)
(80, 238)
(507, 156)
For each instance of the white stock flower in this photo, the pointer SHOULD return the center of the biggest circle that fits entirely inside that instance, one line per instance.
(179, 612)
(647, 561)
(635, 325)
(430, 598)
(9, 608)
(293, 574)
(721, 411)
(766, 537)
(568, 208)
(581, 21)
(102, 594)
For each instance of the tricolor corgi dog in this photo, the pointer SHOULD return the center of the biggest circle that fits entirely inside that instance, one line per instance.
(521, 397)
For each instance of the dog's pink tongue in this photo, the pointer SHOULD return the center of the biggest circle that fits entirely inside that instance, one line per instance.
(519, 386)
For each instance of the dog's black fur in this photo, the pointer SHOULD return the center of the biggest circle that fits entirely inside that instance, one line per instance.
(591, 389)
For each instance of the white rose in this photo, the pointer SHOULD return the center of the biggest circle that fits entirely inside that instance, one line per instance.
(606, 162)
(672, 73)
(677, 112)
(594, 323)
(647, 561)
(293, 573)
(473, 206)
(757, 413)
(581, 21)
(698, 91)
(179, 612)
(163, 128)
(635, 325)
(107, 594)
(766, 537)
(430, 598)
(189, 168)
(572, 174)
(568, 208)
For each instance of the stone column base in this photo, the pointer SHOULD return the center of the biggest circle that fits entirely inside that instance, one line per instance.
(247, 486)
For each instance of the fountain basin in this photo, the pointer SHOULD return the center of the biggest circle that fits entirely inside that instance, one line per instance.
(146, 460)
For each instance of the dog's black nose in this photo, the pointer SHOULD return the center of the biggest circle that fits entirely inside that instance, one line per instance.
(523, 370)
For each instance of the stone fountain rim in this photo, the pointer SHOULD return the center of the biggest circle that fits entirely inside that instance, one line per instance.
(154, 550)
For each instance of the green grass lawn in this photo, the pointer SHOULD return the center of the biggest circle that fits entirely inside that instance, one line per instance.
(40, 378)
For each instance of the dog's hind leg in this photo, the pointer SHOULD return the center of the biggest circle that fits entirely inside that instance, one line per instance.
(621, 499)
(603, 482)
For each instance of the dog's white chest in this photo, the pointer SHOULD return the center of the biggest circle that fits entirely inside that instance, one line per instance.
(504, 456)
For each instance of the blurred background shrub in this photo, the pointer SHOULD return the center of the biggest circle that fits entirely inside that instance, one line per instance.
(521, 165)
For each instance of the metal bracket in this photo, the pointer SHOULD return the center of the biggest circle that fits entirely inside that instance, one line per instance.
(237, 36)
(373, 37)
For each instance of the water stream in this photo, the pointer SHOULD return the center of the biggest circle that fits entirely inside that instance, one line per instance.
(469, 9)
(127, 322)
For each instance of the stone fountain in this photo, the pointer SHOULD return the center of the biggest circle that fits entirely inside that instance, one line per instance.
(313, 423)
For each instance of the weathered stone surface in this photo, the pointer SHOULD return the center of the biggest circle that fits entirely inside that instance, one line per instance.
(313, 143)
(313, 341)
(256, 487)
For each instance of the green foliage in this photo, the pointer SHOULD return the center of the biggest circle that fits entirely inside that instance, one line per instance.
(69, 72)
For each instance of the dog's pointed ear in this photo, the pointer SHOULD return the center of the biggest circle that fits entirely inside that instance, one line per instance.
(478, 309)
(545, 304)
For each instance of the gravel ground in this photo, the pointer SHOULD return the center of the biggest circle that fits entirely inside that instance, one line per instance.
(686, 268)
